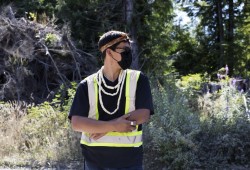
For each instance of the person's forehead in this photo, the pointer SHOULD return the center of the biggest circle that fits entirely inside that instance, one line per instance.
(123, 44)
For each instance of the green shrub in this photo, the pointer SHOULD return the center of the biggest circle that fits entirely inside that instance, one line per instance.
(213, 134)
(64, 97)
(224, 138)
(48, 136)
(192, 81)
(51, 39)
(172, 129)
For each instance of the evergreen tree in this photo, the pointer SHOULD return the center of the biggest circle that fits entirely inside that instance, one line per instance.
(219, 33)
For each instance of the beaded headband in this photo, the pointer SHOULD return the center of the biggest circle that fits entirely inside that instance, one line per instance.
(119, 39)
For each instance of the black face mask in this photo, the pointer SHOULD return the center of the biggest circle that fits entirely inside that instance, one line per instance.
(126, 59)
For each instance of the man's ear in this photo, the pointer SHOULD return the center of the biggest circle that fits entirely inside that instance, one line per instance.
(108, 51)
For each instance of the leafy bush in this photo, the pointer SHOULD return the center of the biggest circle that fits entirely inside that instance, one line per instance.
(172, 129)
(214, 134)
(48, 136)
(191, 81)
(51, 39)
(224, 138)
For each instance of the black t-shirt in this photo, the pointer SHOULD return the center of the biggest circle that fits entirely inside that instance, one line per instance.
(112, 157)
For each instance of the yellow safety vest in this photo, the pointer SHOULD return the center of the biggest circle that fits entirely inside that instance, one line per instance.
(114, 139)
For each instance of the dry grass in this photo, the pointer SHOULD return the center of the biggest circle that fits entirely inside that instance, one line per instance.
(11, 123)
(37, 136)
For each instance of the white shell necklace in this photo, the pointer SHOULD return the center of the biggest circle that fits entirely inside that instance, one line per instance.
(118, 87)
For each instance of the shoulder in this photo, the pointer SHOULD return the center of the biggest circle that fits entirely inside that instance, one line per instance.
(83, 85)
(136, 73)
(89, 78)
(133, 71)
(143, 77)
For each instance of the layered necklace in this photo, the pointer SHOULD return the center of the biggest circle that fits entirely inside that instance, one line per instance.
(118, 88)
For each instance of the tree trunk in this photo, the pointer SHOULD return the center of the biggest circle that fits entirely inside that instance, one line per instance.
(129, 13)
(220, 31)
(230, 51)
(231, 20)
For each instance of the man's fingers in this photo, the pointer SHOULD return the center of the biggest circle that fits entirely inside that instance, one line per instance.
(133, 123)
(133, 128)
(126, 116)
(96, 136)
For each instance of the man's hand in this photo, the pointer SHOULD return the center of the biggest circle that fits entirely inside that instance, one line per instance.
(96, 136)
(140, 116)
(125, 123)
(121, 124)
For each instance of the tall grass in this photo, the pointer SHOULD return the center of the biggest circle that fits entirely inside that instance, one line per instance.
(11, 125)
(37, 135)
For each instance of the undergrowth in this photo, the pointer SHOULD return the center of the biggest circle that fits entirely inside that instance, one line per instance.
(189, 130)
(197, 131)
(38, 135)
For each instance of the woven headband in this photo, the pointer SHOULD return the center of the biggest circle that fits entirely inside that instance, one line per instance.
(124, 37)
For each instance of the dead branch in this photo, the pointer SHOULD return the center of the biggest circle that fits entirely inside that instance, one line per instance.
(36, 59)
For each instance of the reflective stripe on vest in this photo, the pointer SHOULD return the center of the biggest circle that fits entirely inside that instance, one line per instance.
(114, 139)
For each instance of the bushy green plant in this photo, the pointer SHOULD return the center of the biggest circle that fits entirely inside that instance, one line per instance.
(173, 128)
(224, 138)
(48, 136)
(192, 81)
(214, 134)
(51, 39)
(64, 97)
(53, 132)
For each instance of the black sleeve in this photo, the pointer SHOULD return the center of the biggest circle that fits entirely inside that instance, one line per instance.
(80, 105)
(143, 94)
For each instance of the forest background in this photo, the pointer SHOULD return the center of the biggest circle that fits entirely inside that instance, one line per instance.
(199, 74)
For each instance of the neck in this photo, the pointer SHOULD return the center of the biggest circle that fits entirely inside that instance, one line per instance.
(110, 73)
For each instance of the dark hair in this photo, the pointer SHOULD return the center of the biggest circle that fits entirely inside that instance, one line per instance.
(108, 37)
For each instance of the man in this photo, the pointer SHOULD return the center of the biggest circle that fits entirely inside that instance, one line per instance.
(110, 107)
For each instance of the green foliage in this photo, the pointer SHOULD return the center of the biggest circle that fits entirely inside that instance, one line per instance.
(214, 134)
(36, 10)
(37, 59)
(158, 39)
(173, 128)
(64, 97)
(243, 40)
(191, 81)
(32, 16)
(186, 55)
(51, 39)
(221, 39)
(40, 134)
(225, 127)
(186, 132)
(226, 105)
(89, 19)
(50, 134)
